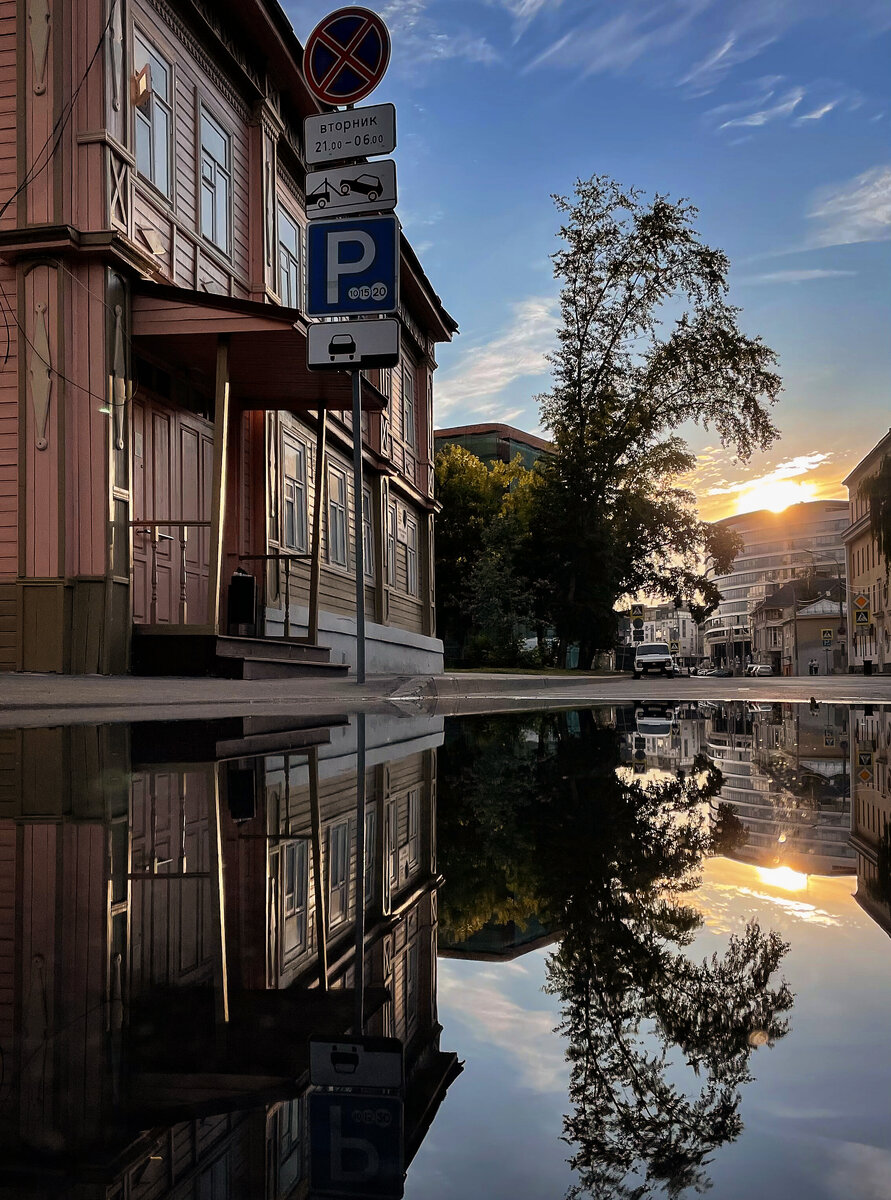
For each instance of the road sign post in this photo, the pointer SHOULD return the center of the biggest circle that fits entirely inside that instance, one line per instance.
(356, 1145)
(353, 260)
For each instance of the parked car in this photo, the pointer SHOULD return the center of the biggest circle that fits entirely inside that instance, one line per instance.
(653, 656)
(760, 669)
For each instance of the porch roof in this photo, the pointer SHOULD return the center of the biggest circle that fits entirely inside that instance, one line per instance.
(267, 349)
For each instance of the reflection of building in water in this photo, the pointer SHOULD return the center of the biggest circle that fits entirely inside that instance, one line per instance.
(785, 770)
(497, 942)
(871, 809)
(177, 919)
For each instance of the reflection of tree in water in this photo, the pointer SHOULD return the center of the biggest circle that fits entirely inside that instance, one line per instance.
(610, 861)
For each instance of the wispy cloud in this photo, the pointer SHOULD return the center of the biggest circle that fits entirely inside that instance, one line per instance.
(723, 487)
(784, 107)
(418, 39)
(857, 211)
(518, 351)
(819, 112)
(802, 464)
(792, 276)
(524, 1034)
(736, 47)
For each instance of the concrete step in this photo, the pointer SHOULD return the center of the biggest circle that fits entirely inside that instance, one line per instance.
(256, 667)
(282, 649)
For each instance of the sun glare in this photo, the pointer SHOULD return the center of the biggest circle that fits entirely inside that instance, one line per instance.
(784, 878)
(775, 494)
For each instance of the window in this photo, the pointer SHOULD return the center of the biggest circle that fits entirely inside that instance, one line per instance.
(370, 856)
(294, 532)
(414, 810)
(411, 556)
(408, 406)
(154, 119)
(294, 894)
(391, 543)
(337, 517)
(386, 381)
(288, 259)
(338, 866)
(216, 182)
(367, 533)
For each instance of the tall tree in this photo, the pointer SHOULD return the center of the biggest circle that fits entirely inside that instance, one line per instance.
(647, 342)
(877, 492)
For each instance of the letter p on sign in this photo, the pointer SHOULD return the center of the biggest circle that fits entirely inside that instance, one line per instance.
(341, 259)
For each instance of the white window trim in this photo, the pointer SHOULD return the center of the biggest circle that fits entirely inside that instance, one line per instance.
(205, 113)
(335, 562)
(295, 301)
(168, 106)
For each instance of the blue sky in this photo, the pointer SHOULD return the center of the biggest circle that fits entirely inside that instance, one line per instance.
(772, 116)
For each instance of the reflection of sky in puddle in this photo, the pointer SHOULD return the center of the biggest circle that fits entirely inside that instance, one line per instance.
(815, 1116)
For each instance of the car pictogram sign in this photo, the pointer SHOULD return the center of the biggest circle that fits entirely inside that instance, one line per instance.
(346, 56)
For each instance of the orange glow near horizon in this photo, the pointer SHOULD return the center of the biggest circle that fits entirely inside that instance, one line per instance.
(775, 495)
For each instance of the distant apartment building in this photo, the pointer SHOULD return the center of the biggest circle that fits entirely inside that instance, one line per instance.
(494, 443)
(803, 540)
(869, 626)
(786, 779)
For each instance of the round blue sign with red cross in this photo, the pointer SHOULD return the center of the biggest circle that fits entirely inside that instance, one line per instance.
(346, 56)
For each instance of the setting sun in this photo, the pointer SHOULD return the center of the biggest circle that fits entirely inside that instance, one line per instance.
(775, 495)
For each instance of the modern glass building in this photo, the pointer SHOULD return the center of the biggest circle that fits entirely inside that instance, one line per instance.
(803, 539)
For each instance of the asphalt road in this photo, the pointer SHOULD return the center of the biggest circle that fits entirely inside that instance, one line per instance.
(35, 700)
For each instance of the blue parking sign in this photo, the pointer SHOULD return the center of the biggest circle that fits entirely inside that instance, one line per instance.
(356, 1145)
(353, 266)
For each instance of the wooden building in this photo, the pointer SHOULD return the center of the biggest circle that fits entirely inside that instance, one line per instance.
(177, 918)
(159, 430)
(871, 809)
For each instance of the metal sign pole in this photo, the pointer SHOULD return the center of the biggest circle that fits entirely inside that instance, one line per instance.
(359, 966)
(359, 533)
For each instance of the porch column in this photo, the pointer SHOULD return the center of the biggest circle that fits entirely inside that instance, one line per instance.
(321, 484)
(218, 496)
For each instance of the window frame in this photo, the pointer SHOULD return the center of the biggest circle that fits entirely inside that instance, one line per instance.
(295, 262)
(338, 857)
(291, 444)
(412, 573)
(139, 114)
(295, 895)
(205, 113)
(368, 533)
(392, 518)
(409, 407)
(343, 510)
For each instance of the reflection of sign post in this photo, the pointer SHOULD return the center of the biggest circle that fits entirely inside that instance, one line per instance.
(829, 737)
(355, 1145)
(864, 766)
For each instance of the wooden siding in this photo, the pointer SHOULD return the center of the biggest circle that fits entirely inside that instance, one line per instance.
(195, 262)
(8, 110)
(9, 437)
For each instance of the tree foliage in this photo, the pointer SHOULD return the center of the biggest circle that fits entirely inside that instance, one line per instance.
(483, 592)
(647, 343)
(877, 492)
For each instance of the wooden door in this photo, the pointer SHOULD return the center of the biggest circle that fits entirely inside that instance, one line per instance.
(172, 479)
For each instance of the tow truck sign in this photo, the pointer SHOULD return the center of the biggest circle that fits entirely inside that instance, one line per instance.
(361, 188)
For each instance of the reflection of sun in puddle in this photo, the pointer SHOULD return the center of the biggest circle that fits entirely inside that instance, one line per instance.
(783, 878)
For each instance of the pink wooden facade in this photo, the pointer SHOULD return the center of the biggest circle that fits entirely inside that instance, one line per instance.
(152, 221)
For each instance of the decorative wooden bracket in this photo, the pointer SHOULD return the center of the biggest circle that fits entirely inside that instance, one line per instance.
(117, 54)
(40, 370)
(118, 380)
(40, 21)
